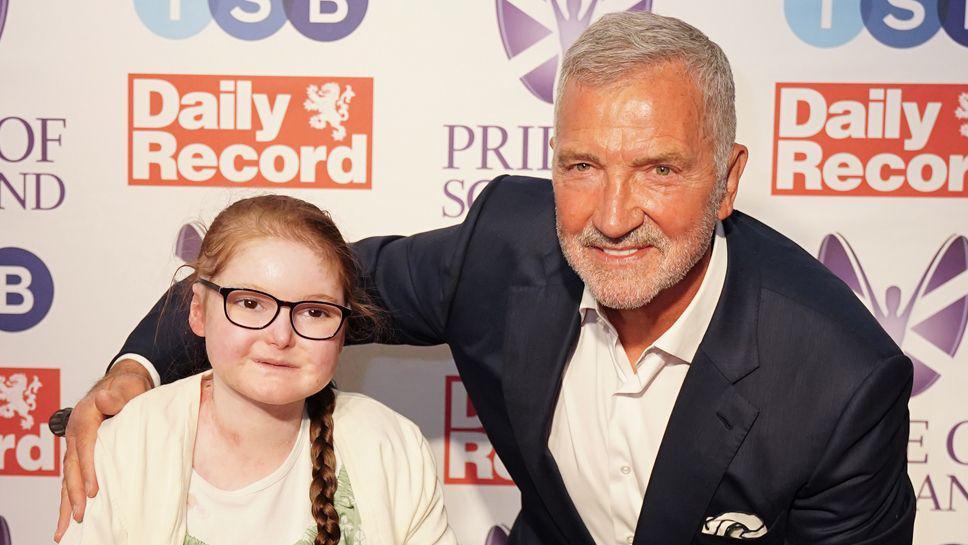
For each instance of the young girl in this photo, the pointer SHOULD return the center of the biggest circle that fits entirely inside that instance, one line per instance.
(262, 449)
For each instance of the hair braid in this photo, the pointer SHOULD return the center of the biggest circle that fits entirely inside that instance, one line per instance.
(323, 489)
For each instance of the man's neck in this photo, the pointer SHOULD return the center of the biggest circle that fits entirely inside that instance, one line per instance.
(639, 328)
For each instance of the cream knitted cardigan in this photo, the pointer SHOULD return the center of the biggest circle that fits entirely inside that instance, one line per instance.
(143, 459)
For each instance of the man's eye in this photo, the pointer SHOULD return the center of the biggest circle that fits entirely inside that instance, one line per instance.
(582, 167)
(250, 304)
(663, 170)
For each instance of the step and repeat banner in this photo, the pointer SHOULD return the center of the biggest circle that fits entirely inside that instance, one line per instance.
(126, 125)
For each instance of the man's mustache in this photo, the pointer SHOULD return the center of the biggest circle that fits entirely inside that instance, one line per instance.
(647, 234)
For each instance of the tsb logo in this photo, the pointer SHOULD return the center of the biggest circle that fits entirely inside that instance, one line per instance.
(859, 139)
(895, 23)
(27, 399)
(257, 131)
(468, 455)
(320, 20)
(26, 290)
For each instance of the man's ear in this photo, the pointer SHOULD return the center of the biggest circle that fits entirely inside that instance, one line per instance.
(737, 164)
(196, 312)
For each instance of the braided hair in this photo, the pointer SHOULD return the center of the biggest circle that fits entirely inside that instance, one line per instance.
(279, 216)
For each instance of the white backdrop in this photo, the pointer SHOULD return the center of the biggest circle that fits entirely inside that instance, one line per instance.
(444, 92)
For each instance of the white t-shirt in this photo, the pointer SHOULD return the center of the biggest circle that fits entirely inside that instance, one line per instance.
(275, 510)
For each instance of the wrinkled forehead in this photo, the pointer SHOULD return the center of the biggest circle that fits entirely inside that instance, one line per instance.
(650, 106)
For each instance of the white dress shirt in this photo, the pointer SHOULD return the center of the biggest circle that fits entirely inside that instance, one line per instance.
(611, 415)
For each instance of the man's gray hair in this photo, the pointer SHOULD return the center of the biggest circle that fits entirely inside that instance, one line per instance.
(619, 44)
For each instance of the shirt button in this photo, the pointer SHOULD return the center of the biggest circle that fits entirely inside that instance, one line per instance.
(630, 539)
(625, 471)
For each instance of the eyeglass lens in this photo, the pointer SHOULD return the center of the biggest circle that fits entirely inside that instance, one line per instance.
(255, 310)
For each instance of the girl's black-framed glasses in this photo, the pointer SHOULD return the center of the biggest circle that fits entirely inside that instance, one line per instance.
(254, 309)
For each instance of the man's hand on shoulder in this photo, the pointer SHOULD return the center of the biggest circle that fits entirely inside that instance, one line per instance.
(125, 380)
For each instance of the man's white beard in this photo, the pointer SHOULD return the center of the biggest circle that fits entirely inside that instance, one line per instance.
(634, 286)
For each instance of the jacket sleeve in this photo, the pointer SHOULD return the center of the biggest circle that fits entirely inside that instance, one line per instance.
(860, 493)
(102, 519)
(164, 338)
(414, 278)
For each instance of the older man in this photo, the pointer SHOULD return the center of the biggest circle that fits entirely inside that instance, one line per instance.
(664, 370)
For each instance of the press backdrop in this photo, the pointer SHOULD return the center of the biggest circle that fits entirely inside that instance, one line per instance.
(126, 124)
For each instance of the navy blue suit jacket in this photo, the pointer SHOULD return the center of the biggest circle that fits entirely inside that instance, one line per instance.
(794, 409)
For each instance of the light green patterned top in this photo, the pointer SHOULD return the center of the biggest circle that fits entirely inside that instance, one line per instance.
(351, 528)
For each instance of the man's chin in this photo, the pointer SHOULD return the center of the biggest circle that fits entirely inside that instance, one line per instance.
(621, 294)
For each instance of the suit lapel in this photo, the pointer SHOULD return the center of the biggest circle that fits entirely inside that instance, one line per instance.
(542, 324)
(708, 424)
(710, 419)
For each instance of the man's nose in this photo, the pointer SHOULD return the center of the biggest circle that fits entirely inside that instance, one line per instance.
(617, 213)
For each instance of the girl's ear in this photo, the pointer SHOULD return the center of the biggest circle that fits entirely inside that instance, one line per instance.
(196, 312)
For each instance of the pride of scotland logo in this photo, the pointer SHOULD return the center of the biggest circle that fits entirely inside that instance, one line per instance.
(4, 532)
(544, 30)
(3, 13)
(935, 313)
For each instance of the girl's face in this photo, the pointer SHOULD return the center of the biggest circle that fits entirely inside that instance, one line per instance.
(273, 365)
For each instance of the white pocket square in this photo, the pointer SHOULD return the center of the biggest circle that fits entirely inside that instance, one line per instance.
(735, 525)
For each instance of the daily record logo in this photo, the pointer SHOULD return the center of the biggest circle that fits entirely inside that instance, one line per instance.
(930, 324)
(26, 290)
(536, 34)
(27, 399)
(253, 131)
(894, 23)
(320, 20)
(469, 457)
(887, 140)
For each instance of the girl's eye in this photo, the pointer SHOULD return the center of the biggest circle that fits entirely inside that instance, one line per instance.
(318, 313)
(663, 170)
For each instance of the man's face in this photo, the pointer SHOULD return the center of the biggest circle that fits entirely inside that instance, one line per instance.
(635, 183)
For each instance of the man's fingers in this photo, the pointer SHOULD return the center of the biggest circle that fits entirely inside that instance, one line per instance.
(73, 483)
(106, 399)
(64, 518)
(85, 460)
(81, 434)
(114, 392)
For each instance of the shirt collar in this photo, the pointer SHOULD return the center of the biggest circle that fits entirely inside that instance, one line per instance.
(682, 339)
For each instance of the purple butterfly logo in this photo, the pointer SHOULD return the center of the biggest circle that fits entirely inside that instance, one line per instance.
(189, 241)
(498, 535)
(936, 312)
(528, 26)
(4, 4)
(4, 529)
